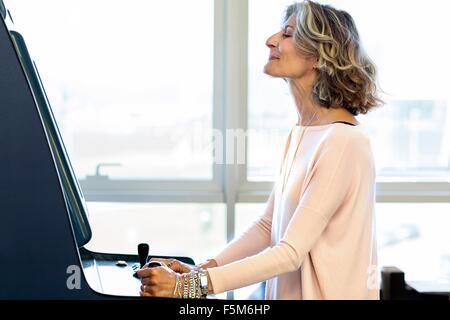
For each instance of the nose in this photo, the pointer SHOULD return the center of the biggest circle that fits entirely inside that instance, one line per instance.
(272, 41)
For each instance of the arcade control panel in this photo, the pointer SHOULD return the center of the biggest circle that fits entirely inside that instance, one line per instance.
(115, 274)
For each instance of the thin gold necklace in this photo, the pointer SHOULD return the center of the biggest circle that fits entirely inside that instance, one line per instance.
(286, 176)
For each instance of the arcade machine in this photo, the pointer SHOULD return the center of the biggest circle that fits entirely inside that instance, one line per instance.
(44, 222)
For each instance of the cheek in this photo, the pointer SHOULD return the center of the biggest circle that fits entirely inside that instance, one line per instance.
(294, 66)
(291, 64)
(296, 63)
(290, 56)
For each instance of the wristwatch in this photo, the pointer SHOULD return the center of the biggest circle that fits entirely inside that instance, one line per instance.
(203, 283)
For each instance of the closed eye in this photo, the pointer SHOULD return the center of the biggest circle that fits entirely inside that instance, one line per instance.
(286, 32)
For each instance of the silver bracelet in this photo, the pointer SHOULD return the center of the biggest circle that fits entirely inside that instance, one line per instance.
(180, 295)
(199, 285)
(177, 282)
(192, 284)
(203, 283)
(185, 289)
(199, 288)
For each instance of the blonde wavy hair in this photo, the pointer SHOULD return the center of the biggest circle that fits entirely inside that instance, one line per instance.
(346, 74)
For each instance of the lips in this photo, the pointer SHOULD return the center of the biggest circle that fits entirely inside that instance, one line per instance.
(273, 58)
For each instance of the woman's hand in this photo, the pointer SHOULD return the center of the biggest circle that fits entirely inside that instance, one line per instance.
(161, 281)
(175, 265)
(181, 267)
(157, 282)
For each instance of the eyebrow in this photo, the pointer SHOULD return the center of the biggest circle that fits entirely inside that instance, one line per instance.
(288, 26)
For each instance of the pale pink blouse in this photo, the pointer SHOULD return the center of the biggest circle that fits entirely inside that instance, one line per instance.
(316, 238)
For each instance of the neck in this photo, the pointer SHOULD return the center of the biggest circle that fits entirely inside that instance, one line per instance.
(310, 113)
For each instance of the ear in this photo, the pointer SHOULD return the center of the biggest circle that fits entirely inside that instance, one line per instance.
(315, 66)
(316, 63)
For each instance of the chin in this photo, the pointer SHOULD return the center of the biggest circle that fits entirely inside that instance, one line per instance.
(273, 75)
(269, 71)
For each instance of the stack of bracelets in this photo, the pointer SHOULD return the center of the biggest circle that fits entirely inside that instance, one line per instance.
(192, 285)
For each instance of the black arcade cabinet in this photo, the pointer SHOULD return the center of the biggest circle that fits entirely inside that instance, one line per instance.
(43, 217)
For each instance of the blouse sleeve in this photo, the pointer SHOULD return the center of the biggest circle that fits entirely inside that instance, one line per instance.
(258, 236)
(252, 241)
(329, 180)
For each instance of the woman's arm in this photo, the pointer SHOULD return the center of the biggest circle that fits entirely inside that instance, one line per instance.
(255, 239)
(258, 236)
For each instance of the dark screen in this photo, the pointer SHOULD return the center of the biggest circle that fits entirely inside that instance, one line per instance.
(72, 191)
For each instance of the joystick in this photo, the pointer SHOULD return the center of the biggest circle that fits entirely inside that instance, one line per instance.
(143, 253)
(143, 250)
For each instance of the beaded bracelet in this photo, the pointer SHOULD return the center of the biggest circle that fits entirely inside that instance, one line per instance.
(179, 288)
(198, 292)
(177, 285)
(186, 287)
(192, 284)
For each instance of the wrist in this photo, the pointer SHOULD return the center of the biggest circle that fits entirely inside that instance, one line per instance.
(204, 282)
(210, 287)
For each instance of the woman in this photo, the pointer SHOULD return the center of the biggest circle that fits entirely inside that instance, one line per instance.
(316, 238)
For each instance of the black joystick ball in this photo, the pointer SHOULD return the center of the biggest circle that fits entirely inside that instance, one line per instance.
(154, 264)
(143, 249)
